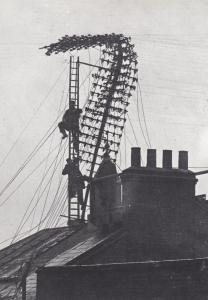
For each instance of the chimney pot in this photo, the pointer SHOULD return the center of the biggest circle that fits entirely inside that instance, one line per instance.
(167, 159)
(183, 160)
(151, 158)
(136, 157)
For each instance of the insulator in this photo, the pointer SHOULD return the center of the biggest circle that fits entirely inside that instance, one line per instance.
(95, 75)
(134, 79)
(128, 94)
(132, 87)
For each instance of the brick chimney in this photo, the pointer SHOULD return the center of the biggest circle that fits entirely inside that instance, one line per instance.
(157, 204)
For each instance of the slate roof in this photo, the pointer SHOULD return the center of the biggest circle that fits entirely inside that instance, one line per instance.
(42, 247)
(48, 247)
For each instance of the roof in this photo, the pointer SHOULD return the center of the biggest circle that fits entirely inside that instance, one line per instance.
(48, 247)
(41, 247)
(38, 244)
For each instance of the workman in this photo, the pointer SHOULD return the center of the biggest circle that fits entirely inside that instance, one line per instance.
(70, 122)
(77, 180)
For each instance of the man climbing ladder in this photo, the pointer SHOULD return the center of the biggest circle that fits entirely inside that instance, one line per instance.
(77, 183)
(70, 123)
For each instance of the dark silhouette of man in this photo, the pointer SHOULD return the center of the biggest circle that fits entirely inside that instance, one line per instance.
(77, 183)
(70, 122)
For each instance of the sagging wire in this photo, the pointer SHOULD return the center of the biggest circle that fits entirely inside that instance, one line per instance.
(57, 191)
(139, 92)
(32, 154)
(59, 208)
(30, 120)
(22, 223)
(49, 187)
(57, 195)
(57, 154)
(132, 129)
(53, 210)
(28, 176)
(63, 208)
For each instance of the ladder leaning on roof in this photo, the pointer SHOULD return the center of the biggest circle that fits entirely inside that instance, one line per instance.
(73, 205)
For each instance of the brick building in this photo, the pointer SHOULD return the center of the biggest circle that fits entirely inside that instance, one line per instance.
(146, 239)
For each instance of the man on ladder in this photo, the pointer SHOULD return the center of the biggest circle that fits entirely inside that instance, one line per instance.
(70, 122)
(78, 180)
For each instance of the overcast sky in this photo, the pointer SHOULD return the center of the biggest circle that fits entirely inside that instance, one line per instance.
(171, 39)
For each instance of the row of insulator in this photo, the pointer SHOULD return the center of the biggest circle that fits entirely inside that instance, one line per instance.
(92, 153)
(110, 116)
(99, 76)
(88, 137)
(114, 59)
(104, 84)
(125, 55)
(107, 61)
(110, 142)
(121, 84)
(125, 74)
(90, 119)
(117, 91)
(111, 108)
(106, 131)
(130, 69)
(88, 161)
(114, 99)
(115, 126)
(83, 41)
(128, 76)
(108, 85)
(91, 145)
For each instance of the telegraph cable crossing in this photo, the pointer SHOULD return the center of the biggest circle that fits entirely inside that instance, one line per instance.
(101, 124)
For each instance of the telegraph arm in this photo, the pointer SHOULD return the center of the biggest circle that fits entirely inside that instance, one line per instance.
(201, 172)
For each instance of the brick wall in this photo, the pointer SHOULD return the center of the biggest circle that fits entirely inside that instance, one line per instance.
(160, 280)
(162, 218)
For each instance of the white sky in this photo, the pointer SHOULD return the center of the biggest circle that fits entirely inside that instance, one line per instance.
(171, 39)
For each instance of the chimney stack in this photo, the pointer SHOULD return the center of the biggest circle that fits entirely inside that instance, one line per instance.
(167, 159)
(183, 160)
(136, 157)
(151, 158)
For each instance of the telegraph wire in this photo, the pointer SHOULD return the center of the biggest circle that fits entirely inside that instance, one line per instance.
(31, 155)
(30, 120)
(62, 210)
(54, 208)
(138, 115)
(125, 146)
(46, 198)
(56, 157)
(143, 113)
(57, 195)
(28, 176)
(23, 223)
(58, 187)
(132, 129)
(46, 164)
